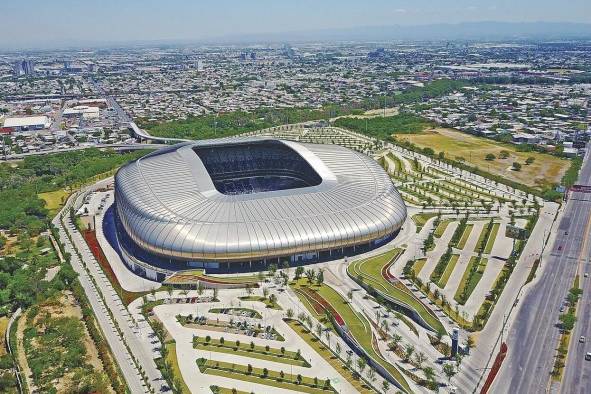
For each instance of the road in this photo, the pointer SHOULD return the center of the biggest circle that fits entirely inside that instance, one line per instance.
(20, 156)
(533, 336)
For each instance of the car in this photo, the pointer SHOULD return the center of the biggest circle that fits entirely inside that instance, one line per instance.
(566, 233)
(560, 247)
(582, 339)
(588, 356)
(562, 308)
(586, 275)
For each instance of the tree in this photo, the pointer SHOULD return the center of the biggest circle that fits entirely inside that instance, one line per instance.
(408, 351)
(371, 375)
(318, 330)
(516, 166)
(272, 300)
(350, 295)
(361, 363)
(490, 157)
(429, 373)
(320, 277)
(265, 372)
(420, 358)
(504, 154)
(249, 368)
(348, 361)
(449, 371)
(530, 160)
(222, 340)
(337, 349)
(200, 288)
(298, 272)
(568, 321)
(385, 386)
(290, 313)
(310, 274)
(440, 334)
(469, 342)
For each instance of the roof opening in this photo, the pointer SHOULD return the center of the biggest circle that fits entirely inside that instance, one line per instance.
(256, 166)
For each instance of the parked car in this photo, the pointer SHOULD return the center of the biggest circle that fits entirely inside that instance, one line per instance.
(588, 356)
(582, 339)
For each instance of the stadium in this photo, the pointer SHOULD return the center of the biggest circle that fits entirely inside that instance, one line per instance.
(238, 205)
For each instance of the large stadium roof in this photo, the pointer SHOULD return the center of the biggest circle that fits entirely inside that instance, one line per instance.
(170, 202)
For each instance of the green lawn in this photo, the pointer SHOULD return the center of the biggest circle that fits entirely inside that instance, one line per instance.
(468, 281)
(244, 349)
(337, 364)
(418, 266)
(273, 378)
(54, 200)
(448, 270)
(438, 233)
(492, 238)
(371, 272)
(421, 218)
(358, 326)
(465, 236)
(171, 359)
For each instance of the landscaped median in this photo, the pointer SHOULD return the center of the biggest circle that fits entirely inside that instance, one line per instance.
(374, 272)
(280, 379)
(470, 279)
(250, 350)
(194, 277)
(353, 328)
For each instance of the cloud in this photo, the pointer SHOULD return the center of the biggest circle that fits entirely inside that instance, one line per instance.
(400, 11)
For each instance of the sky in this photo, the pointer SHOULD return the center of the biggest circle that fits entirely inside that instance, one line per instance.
(40, 23)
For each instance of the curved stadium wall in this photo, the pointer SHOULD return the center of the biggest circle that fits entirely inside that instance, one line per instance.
(241, 204)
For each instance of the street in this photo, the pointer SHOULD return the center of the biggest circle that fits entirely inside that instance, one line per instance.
(533, 338)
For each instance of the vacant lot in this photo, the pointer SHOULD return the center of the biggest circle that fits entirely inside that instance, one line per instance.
(545, 169)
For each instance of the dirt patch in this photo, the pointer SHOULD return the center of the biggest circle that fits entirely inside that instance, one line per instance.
(66, 306)
(544, 171)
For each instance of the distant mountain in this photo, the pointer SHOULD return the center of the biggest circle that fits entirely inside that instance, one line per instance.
(442, 31)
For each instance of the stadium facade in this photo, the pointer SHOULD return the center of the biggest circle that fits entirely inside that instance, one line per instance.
(241, 204)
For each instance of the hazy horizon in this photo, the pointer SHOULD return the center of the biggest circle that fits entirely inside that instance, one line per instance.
(38, 24)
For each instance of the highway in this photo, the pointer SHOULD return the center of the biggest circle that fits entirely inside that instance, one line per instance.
(533, 336)
(577, 374)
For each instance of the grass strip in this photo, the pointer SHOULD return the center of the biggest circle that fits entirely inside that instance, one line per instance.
(492, 238)
(172, 360)
(326, 354)
(438, 233)
(465, 236)
(246, 350)
(280, 379)
(448, 270)
(472, 275)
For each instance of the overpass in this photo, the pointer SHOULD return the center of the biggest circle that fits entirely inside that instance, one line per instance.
(117, 147)
(143, 135)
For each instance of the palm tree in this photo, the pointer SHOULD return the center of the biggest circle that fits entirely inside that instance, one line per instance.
(408, 351)
(361, 363)
(420, 358)
(429, 373)
(449, 371)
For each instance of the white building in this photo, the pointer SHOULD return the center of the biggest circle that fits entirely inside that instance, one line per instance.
(28, 123)
(82, 110)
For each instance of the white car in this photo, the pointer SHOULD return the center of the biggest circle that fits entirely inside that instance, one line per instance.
(582, 339)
